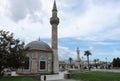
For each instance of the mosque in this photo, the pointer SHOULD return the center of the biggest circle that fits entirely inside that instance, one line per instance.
(43, 59)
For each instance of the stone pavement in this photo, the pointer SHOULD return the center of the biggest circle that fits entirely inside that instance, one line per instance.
(60, 76)
(56, 77)
(106, 70)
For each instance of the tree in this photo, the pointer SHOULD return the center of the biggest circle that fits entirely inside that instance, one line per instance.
(87, 53)
(116, 62)
(62, 62)
(95, 61)
(70, 60)
(11, 52)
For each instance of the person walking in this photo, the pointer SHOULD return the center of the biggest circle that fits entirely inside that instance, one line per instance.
(44, 77)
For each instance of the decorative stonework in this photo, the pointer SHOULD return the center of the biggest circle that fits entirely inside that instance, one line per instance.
(40, 61)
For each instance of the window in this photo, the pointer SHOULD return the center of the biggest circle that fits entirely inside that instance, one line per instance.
(43, 60)
(43, 65)
(26, 63)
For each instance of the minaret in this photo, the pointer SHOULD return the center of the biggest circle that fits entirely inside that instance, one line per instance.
(54, 21)
(78, 58)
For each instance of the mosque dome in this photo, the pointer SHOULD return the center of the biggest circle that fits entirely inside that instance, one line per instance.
(38, 45)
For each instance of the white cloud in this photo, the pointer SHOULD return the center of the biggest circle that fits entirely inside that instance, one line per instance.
(116, 53)
(46, 6)
(19, 9)
(102, 54)
(95, 21)
(33, 22)
(90, 25)
(103, 43)
(84, 20)
(2, 6)
(64, 53)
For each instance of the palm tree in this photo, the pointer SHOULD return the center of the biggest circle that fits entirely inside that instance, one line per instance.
(70, 60)
(96, 60)
(87, 53)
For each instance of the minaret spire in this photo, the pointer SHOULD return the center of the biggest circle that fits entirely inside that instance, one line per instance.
(54, 21)
(54, 6)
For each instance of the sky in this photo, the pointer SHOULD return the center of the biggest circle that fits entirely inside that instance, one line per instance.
(87, 24)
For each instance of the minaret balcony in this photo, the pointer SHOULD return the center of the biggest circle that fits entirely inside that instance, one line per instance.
(54, 20)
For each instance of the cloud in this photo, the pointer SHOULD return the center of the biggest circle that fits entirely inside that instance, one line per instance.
(64, 53)
(102, 54)
(116, 53)
(2, 6)
(96, 20)
(92, 24)
(91, 19)
(19, 9)
(32, 20)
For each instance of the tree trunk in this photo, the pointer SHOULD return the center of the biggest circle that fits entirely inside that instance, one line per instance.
(88, 63)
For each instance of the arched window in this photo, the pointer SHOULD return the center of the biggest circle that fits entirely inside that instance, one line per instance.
(43, 62)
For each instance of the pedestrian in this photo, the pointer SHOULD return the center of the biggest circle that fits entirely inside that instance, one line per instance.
(44, 77)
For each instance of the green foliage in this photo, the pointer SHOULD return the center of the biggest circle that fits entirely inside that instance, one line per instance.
(62, 62)
(17, 79)
(96, 76)
(11, 51)
(70, 60)
(87, 53)
(116, 62)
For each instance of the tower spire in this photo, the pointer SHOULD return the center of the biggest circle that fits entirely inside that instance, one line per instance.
(78, 55)
(78, 58)
(54, 6)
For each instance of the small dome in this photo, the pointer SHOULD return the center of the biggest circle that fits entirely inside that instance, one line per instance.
(38, 45)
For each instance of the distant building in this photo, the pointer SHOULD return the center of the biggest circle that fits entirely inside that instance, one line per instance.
(72, 66)
(78, 62)
(42, 59)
